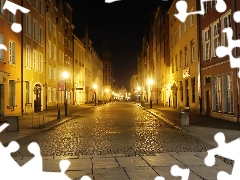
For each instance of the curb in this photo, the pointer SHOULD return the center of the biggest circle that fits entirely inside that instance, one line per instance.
(164, 119)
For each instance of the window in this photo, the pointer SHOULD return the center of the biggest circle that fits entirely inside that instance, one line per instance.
(180, 30)
(40, 63)
(212, 3)
(228, 94)
(206, 43)
(172, 65)
(41, 35)
(105, 79)
(28, 24)
(49, 49)
(59, 56)
(27, 92)
(216, 93)
(35, 30)
(49, 25)
(186, 56)
(35, 60)
(54, 74)
(180, 64)
(181, 90)
(192, 51)
(105, 67)
(49, 72)
(185, 26)
(215, 38)
(11, 53)
(54, 95)
(49, 94)
(11, 17)
(206, 6)
(191, 18)
(12, 93)
(62, 57)
(35, 4)
(193, 89)
(1, 50)
(207, 80)
(54, 53)
(59, 37)
(28, 56)
(54, 30)
(1, 7)
(41, 7)
(176, 64)
(226, 22)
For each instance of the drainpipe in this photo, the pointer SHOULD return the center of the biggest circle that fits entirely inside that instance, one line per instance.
(199, 62)
(236, 55)
(22, 110)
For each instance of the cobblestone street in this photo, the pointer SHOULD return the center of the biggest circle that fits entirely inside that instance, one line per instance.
(116, 128)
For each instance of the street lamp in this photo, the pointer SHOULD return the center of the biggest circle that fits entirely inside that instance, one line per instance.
(95, 94)
(65, 75)
(150, 82)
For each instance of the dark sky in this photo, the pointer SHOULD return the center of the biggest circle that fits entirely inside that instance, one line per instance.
(123, 23)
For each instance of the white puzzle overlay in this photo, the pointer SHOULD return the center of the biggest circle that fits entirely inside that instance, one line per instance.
(228, 150)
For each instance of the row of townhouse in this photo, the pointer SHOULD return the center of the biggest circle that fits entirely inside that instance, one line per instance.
(31, 69)
(181, 60)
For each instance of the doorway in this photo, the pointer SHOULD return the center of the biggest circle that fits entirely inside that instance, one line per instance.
(208, 104)
(37, 98)
(187, 93)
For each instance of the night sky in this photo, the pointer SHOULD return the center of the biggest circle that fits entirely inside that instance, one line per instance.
(123, 23)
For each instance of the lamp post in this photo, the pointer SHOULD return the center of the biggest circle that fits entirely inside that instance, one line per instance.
(65, 76)
(150, 81)
(95, 94)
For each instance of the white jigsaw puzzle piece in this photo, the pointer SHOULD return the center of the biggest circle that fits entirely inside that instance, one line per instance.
(177, 171)
(12, 7)
(181, 6)
(228, 150)
(111, 1)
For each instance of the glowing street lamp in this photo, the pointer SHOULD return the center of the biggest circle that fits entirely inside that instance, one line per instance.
(95, 94)
(65, 76)
(150, 82)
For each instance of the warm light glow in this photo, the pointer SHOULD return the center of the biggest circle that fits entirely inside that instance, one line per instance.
(139, 88)
(65, 75)
(94, 86)
(106, 90)
(150, 81)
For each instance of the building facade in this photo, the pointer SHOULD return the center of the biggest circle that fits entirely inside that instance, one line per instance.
(220, 82)
(184, 61)
(33, 57)
(10, 63)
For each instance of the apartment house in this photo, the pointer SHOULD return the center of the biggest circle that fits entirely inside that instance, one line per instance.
(60, 63)
(10, 63)
(107, 72)
(33, 59)
(184, 77)
(135, 88)
(68, 50)
(220, 83)
(51, 52)
(79, 72)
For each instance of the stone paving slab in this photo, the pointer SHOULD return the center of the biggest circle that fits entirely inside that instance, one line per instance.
(76, 175)
(143, 173)
(165, 172)
(109, 174)
(105, 162)
(189, 159)
(131, 161)
(205, 172)
(161, 160)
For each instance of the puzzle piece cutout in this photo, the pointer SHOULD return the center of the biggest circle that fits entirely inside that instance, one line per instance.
(182, 9)
(177, 171)
(222, 51)
(12, 7)
(111, 1)
(228, 150)
(33, 169)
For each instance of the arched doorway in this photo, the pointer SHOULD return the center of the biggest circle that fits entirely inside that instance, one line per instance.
(37, 98)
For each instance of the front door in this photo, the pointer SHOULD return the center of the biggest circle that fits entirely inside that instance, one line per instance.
(37, 98)
(1, 100)
(208, 99)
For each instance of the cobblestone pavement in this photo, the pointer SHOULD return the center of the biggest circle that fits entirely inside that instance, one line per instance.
(118, 128)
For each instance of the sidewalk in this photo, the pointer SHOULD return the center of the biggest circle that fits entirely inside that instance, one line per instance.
(40, 121)
(202, 127)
